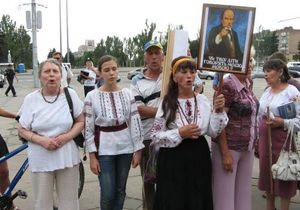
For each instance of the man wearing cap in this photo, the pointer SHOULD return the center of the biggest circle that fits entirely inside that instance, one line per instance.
(66, 73)
(146, 88)
(89, 75)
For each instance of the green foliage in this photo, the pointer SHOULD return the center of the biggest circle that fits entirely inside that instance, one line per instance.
(71, 58)
(17, 41)
(296, 57)
(51, 52)
(265, 43)
(194, 48)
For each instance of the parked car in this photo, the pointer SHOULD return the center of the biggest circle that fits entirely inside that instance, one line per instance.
(206, 74)
(134, 72)
(294, 71)
(257, 72)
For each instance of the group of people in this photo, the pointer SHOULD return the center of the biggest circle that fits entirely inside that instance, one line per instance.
(121, 125)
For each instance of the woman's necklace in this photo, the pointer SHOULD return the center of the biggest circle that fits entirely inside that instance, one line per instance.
(188, 117)
(50, 102)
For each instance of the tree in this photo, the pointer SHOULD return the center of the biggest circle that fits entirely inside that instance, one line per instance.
(71, 56)
(265, 43)
(194, 48)
(296, 57)
(140, 40)
(17, 41)
(51, 52)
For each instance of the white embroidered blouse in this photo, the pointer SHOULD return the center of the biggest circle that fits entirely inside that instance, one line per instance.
(272, 100)
(112, 109)
(209, 122)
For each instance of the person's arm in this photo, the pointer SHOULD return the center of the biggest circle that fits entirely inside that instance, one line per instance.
(225, 153)
(16, 78)
(69, 75)
(4, 113)
(147, 111)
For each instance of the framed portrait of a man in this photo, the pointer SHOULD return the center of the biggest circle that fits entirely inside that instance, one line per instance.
(225, 38)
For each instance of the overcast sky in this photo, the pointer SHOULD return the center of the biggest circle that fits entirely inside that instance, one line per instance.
(96, 19)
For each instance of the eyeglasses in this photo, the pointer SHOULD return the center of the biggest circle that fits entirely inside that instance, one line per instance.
(57, 58)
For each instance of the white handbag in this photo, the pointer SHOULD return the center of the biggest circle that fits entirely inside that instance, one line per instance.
(287, 167)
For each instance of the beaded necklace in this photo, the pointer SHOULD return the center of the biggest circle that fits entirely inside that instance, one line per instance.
(50, 102)
(188, 117)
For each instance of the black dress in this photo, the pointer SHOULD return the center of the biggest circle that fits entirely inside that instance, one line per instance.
(184, 177)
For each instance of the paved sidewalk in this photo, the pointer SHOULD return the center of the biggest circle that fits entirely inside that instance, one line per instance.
(90, 196)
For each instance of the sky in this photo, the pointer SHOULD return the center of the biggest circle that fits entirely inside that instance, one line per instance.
(97, 19)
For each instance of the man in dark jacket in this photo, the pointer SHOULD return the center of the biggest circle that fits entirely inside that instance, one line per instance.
(223, 40)
(10, 75)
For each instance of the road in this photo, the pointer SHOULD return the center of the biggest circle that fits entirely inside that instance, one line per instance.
(90, 196)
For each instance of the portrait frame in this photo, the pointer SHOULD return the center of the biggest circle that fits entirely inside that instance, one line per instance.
(228, 53)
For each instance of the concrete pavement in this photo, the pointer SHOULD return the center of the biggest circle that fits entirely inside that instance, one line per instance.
(90, 196)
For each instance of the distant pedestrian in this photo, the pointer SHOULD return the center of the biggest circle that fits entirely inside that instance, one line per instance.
(89, 75)
(67, 73)
(10, 75)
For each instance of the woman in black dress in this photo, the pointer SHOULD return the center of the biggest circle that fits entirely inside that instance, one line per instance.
(184, 163)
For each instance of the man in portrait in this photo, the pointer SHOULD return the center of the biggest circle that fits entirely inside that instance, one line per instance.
(223, 40)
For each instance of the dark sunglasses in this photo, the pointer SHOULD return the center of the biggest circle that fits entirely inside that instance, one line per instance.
(57, 58)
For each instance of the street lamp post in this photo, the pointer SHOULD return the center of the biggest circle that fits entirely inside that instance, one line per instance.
(67, 14)
(60, 37)
(34, 45)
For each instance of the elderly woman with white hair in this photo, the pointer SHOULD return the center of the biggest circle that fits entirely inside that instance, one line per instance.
(47, 124)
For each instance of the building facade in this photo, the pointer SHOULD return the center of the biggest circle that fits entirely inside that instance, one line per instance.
(288, 41)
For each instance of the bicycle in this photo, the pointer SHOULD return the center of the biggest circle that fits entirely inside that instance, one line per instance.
(7, 197)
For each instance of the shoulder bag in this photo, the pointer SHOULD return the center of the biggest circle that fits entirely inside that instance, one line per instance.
(79, 140)
(287, 167)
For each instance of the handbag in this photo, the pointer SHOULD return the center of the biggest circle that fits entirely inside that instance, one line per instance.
(287, 167)
(79, 139)
(150, 170)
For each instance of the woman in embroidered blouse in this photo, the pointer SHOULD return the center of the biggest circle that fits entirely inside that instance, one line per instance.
(182, 120)
(113, 109)
(233, 150)
(47, 124)
(279, 92)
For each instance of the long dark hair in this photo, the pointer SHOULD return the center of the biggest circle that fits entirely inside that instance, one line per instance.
(169, 104)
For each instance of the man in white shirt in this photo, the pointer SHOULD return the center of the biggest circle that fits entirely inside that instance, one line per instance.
(146, 88)
(66, 72)
(89, 74)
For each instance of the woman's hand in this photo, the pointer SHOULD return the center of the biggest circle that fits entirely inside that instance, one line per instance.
(275, 122)
(219, 103)
(227, 162)
(136, 159)
(61, 139)
(48, 143)
(94, 164)
(189, 131)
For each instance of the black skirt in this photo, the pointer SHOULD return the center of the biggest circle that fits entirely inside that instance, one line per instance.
(184, 177)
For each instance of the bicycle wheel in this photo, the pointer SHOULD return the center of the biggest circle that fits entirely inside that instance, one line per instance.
(81, 179)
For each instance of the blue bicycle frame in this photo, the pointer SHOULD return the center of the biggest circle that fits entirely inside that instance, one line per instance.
(19, 174)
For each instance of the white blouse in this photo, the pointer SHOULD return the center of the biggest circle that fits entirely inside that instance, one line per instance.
(274, 100)
(50, 120)
(111, 109)
(209, 122)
